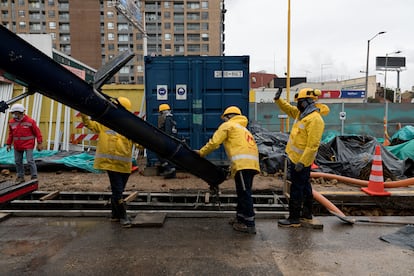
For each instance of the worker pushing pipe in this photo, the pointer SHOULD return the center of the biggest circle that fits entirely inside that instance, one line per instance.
(26, 65)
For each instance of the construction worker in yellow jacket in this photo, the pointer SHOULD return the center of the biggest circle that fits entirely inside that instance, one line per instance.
(242, 151)
(113, 155)
(301, 149)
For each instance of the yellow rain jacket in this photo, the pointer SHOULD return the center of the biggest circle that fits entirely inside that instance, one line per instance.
(306, 133)
(114, 151)
(238, 143)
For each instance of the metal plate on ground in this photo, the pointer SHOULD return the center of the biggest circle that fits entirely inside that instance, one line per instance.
(149, 220)
(4, 216)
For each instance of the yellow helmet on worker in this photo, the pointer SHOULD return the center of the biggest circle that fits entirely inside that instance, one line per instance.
(163, 107)
(125, 102)
(308, 93)
(231, 110)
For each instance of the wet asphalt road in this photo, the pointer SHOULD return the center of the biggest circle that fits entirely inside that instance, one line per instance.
(196, 246)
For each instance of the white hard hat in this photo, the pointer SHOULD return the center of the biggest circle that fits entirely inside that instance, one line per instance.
(17, 108)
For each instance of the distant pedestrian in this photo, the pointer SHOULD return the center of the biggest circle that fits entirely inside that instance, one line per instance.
(301, 149)
(114, 155)
(23, 135)
(167, 124)
(242, 151)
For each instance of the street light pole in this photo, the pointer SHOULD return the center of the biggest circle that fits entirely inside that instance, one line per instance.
(366, 69)
(386, 136)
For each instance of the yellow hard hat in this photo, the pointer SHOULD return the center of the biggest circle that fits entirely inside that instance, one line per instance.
(231, 110)
(163, 107)
(308, 93)
(125, 102)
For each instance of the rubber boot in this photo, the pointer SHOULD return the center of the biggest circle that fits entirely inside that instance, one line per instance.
(115, 212)
(307, 209)
(294, 215)
(123, 217)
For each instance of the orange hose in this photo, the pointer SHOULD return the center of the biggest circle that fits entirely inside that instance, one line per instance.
(325, 202)
(363, 183)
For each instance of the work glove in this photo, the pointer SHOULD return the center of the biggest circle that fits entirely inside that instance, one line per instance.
(278, 93)
(299, 167)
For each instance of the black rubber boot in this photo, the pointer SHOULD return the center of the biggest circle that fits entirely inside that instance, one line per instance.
(307, 208)
(123, 217)
(294, 215)
(115, 212)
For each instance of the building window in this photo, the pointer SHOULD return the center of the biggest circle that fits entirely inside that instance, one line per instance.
(51, 2)
(22, 2)
(111, 47)
(53, 35)
(167, 36)
(123, 38)
(140, 68)
(167, 47)
(21, 13)
(52, 25)
(179, 27)
(111, 36)
(22, 24)
(51, 13)
(193, 37)
(138, 36)
(193, 48)
(193, 16)
(193, 26)
(204, 26)
(124, 70)
(204, 37)
(204, 4)
(110, 14)
(179, 49)
(122, 27)
(111, 25)
(167, 15)
(167, 25)
(193, 5)
(167, 4)
(204, 48)
(139, 47)
(204, 15)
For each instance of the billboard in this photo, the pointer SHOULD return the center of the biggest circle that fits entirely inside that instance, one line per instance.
(281, 82)
(393, 63)
(341, 94)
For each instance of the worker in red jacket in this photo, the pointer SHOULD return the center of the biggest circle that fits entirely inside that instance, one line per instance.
(23, 133)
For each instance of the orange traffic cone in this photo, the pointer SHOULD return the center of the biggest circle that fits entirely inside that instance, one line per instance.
(376, 178)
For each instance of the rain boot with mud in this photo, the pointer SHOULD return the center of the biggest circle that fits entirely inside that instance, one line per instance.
(124, 220)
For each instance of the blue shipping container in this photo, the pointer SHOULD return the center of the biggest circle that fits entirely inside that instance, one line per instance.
(198, 89)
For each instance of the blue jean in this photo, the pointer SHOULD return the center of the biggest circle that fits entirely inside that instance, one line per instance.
(244, 182)
(18, 159)
(118, 182)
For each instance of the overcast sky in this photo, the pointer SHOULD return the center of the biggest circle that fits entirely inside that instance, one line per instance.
(328, 38)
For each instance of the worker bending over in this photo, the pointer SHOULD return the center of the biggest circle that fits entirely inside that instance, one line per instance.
(242, 151)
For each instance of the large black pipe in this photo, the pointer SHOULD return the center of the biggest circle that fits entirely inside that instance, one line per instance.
(23, 63)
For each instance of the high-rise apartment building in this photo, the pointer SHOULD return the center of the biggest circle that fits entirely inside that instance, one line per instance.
(94, 32)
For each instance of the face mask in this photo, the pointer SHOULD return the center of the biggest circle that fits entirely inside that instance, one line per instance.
(301, 105)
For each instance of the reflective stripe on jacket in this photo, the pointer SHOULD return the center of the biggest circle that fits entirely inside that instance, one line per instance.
(113, 151)
(238, 143)
(22, 134)
(306, 133)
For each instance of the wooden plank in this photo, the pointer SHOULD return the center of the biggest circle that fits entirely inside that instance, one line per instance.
(131, 197)
(51, 195)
